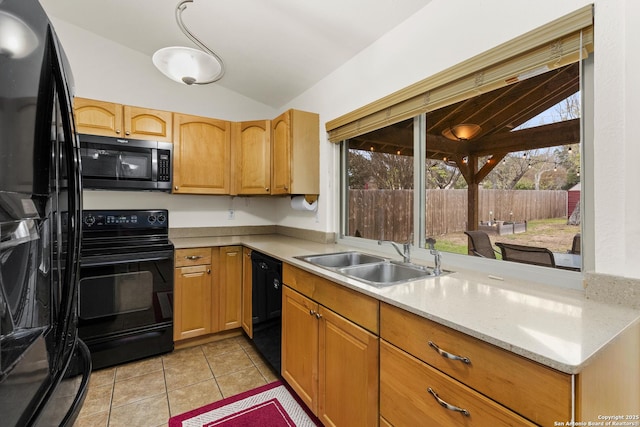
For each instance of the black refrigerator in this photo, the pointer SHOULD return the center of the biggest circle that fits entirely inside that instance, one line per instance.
(44, 367)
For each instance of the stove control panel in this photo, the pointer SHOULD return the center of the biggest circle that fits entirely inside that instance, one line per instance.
(125, 219)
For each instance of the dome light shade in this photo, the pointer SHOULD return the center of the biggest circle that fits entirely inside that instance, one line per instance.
(187, 65)
(462, 132)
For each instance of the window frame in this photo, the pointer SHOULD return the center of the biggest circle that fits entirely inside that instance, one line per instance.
(493, 270)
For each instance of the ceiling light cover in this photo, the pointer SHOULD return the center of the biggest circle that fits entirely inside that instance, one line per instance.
(187, 65)
(462, 132)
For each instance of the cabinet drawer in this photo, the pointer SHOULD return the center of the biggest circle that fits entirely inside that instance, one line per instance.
(359, 308)
(193, 256)
(405, 399)
(539, 393)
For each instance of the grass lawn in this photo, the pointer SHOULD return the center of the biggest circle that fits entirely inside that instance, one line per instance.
(554, 234)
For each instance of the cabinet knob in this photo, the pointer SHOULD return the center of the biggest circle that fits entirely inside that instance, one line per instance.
(286, 188)
(175, 188)
(193, 257)
(266, 189)
(208, 271)
(127, 133)
(118, 131)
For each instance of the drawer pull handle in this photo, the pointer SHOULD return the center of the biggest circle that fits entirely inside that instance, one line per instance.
(449, 355)
(193, 257)
(447, 405)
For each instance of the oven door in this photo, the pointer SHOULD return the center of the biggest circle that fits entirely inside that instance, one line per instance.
(126, 305)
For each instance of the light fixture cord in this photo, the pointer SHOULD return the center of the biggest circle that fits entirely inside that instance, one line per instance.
(179, 9)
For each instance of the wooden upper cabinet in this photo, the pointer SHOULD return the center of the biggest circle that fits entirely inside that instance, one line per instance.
(143, 123)
(201, 155)
(295, 153)
(109, 119)
(252, 153)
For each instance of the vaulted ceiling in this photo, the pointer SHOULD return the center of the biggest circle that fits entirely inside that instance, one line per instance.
(273, 50)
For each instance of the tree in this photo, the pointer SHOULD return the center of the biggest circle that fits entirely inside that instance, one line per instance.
(442, 175)
(386, 171)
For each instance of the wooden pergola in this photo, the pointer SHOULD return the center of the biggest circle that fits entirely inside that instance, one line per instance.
(497, 113)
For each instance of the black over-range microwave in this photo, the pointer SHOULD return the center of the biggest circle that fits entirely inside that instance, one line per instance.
(112, 163)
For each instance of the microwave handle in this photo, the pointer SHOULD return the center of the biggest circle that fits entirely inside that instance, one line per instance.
(154, 164)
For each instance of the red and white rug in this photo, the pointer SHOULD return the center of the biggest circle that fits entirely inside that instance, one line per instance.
(271, 405)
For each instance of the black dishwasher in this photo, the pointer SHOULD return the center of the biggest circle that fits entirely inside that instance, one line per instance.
(267, 306)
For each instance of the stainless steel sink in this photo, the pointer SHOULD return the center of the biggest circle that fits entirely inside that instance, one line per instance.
(341, 259)
(371, 269)
(386, 273)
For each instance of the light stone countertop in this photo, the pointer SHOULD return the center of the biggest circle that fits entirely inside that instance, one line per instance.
(559, 328)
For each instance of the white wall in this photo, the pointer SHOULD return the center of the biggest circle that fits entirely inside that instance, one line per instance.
(429, 42)
(111, 72)
(442, 34)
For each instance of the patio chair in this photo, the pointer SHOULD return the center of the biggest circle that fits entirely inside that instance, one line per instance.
(480, 244)
(575, 246)
(526, 254)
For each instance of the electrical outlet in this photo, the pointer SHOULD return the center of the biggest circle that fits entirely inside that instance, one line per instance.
(232, 214)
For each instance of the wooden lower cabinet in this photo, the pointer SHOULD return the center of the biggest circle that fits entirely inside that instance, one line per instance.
(192, 293)
(543, 394)
(330, 362)
(230, 279)
(410, 389)
(247, 293)
(207, 291)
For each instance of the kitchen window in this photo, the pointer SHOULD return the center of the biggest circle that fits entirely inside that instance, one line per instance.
(500, 148)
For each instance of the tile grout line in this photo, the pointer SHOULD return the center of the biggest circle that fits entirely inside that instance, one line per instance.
(213, 374)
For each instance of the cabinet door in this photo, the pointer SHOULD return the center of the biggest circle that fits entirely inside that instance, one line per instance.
(252, 145)
(295, 162)
(192, 302)
(348, 372)
(201, 151)
(247, 292)
(281, 154)
(230, 306)
(144, 123)
(98, 117)
(300, 345)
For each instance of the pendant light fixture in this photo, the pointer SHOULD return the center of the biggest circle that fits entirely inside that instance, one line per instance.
(188, 65)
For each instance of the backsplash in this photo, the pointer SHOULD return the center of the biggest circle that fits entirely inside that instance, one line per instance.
(311, 235)
(613, 289)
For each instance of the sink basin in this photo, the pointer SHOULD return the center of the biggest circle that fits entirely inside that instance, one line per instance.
(370, 269)
(341, 259)
(386, 273)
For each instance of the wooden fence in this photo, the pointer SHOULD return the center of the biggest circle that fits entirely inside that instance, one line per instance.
(388, 214)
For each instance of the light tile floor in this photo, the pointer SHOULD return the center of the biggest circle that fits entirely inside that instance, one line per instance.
(146, 393)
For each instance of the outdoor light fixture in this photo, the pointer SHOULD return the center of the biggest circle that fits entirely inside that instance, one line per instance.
(188, 65)
(461, 132)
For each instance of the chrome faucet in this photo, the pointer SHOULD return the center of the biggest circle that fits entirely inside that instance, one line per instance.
(431, 242)
(405, 253)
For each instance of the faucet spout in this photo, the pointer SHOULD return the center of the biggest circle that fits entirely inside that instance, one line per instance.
(405, 252)
(431, 242)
